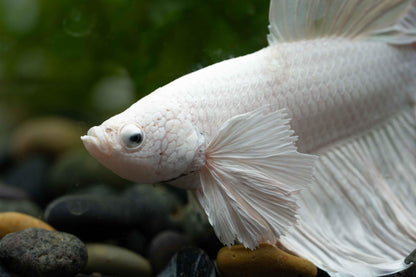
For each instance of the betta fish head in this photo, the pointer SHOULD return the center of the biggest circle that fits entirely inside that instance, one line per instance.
(147, 143)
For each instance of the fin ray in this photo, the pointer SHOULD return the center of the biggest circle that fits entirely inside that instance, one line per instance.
(252, 176)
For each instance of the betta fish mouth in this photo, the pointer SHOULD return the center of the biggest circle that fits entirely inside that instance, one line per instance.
(96, 142)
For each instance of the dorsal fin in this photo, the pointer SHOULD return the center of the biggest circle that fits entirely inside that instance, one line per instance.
(392, 21)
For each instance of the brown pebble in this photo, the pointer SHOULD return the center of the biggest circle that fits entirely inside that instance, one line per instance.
(46, 135)
(11, 222)
(267, 260)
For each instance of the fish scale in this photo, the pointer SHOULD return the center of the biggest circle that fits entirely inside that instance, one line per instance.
(358, 100)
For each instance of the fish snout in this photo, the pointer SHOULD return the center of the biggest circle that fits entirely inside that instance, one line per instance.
(96, 141)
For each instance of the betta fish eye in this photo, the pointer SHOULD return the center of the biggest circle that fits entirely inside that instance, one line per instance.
(132, 136)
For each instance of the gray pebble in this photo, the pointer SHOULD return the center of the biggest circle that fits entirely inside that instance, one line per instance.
(36, 252)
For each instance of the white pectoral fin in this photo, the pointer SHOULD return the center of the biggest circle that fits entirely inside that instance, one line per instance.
(252, 176)
(393, 21)
(358, 216)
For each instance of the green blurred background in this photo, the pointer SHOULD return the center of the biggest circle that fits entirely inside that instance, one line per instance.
(91, 59)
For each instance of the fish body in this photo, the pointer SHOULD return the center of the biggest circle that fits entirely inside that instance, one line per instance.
(332, 88)
(309, 142)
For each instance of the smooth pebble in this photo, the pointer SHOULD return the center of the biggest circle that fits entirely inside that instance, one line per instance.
(90, 217)
(145, 208)
(113, 260)
(11, 222)
(267, 260)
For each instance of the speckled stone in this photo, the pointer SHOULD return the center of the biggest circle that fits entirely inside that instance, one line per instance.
(190, 261)
(163, 246)
(267, 260)
(20, 206)
(36, 252)
(113, 260)
(11, 222)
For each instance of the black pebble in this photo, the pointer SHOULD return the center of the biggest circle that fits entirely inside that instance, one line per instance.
(95, 217)
(40, 253)
(89, 217)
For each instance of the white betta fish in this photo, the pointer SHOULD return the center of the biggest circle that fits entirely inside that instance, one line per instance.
(309, 142)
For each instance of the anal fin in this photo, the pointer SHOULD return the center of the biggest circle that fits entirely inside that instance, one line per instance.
(252, 178)
(357, 217)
